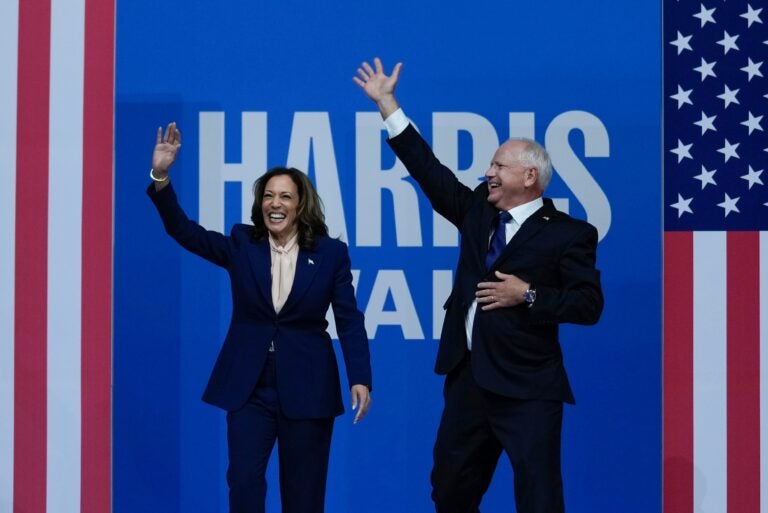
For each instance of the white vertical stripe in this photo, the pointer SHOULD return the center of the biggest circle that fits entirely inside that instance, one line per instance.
(65, 199)
(709, 373)
(9, 38)
(764, 372)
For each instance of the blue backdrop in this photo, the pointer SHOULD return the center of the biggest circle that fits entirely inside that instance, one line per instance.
(258, 84)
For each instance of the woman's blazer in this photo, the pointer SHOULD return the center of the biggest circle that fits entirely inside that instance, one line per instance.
(307, 374)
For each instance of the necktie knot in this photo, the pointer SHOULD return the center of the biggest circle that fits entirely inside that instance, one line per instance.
(504, 217)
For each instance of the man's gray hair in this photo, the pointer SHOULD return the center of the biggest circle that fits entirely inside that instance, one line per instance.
(535, 155)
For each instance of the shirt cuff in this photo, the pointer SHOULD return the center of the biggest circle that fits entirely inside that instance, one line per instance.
(396, 123)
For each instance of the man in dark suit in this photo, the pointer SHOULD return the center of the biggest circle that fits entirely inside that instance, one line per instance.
(524, 268)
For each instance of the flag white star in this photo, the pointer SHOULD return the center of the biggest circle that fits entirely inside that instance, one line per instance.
(752, 16)
(753, 177)
(706, 123)
(683, 205)
(729, 205)
(751, 69)
(706, 69)
(753, 123)
(705, 15)
(683, 151)
(682, 97)
(706, 177)
(729, 96)
(682, 43)
(729, 150)
(728, 42)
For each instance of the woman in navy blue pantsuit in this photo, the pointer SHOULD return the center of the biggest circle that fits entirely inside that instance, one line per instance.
(276, 373)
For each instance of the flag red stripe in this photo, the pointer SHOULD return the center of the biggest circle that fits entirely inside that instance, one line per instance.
(743, 329)
(678, 373)
(30, 296)
(97, 255)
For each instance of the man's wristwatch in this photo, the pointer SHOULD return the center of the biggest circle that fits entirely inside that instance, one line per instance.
(529, 296)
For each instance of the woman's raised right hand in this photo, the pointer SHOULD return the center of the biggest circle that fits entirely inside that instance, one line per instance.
(166, 148)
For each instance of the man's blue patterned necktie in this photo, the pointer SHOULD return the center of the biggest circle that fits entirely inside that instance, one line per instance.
(499, 239)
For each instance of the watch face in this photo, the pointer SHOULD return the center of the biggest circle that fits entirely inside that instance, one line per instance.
(529, 296)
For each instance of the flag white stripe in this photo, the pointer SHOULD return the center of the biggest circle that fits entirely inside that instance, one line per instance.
(65, 180)
(709, 373)
(763, 372)
(9, 39)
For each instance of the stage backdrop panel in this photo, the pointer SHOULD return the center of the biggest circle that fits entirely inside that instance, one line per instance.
(259, 84)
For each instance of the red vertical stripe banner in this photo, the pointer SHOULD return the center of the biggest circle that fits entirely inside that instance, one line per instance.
(98, 166)
(30, 362)
(678, 373)
(743, 364)
(71, 396)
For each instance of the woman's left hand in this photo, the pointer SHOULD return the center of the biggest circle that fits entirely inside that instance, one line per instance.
(361, 401)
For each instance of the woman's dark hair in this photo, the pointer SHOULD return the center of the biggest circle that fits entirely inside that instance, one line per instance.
(310, 219)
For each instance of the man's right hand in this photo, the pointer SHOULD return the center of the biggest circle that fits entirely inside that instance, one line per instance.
(378, 86)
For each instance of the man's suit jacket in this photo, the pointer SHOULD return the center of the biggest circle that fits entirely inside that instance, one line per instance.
(307, 374)
(515, 350)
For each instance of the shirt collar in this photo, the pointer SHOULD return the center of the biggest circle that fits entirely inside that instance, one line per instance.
(288, 245)
(522, 212)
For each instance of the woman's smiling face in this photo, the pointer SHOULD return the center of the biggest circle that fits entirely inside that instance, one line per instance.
(279, 207)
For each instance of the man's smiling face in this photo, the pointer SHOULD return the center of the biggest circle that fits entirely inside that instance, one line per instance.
(510, 181)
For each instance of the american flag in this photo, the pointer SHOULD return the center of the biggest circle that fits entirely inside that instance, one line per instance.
(56, 162)
(715, 427)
